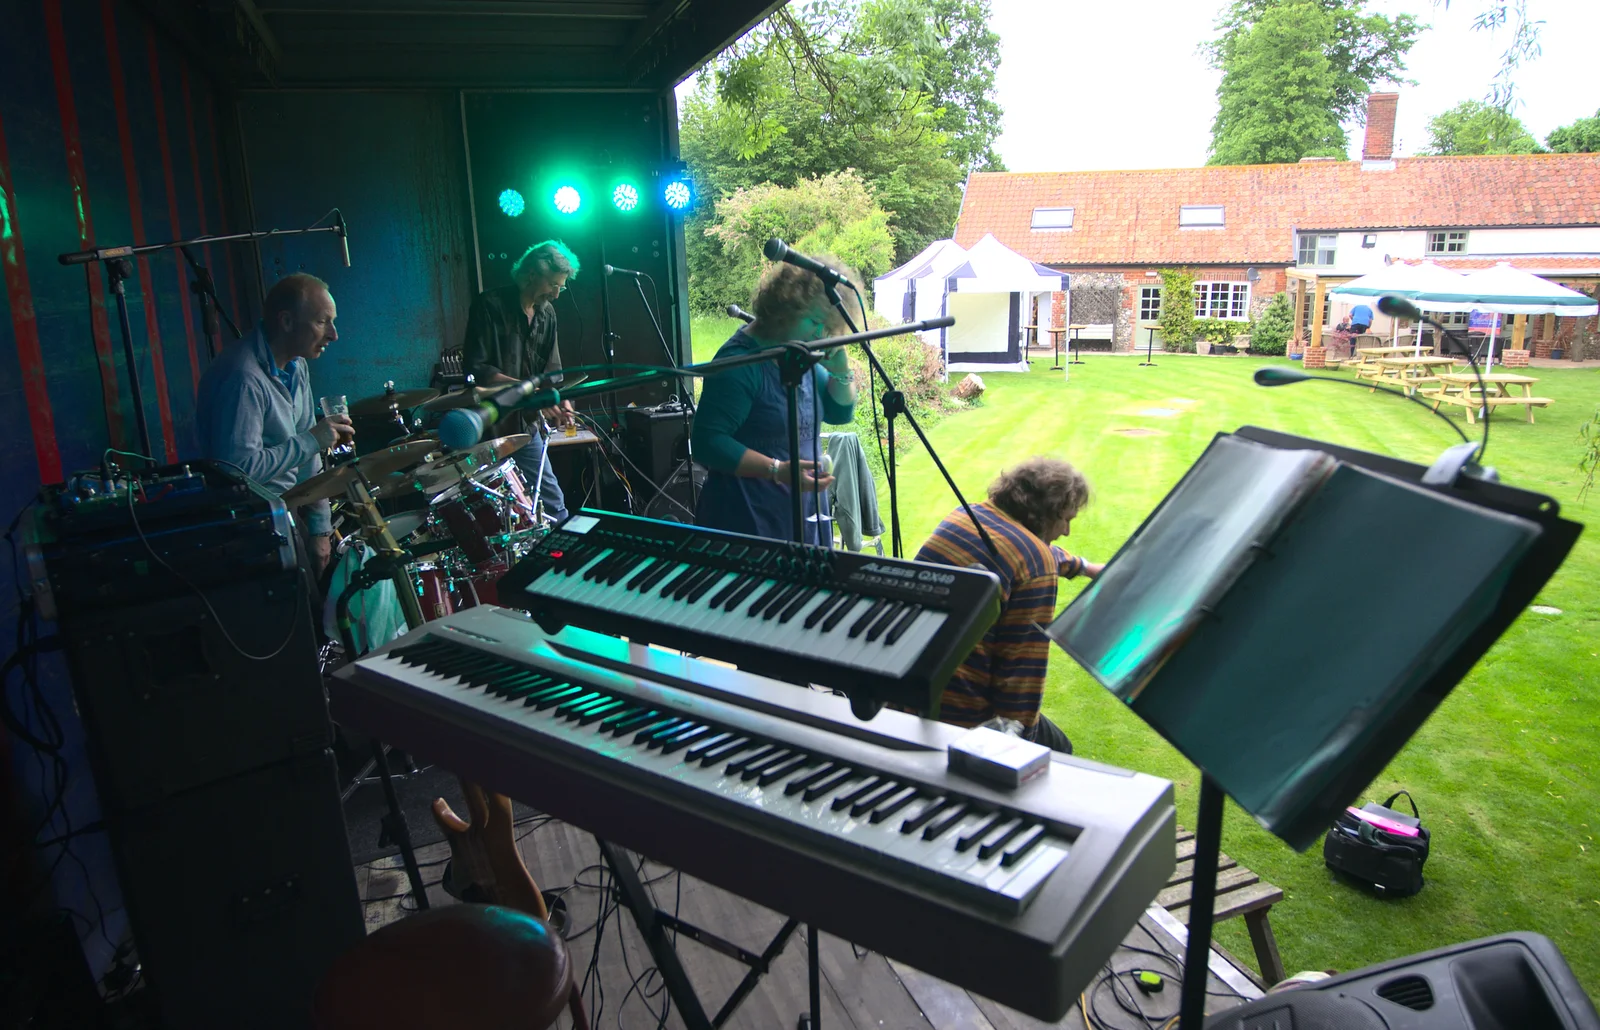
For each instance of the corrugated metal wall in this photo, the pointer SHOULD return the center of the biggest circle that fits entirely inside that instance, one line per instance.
(393, 163)
(108, 136)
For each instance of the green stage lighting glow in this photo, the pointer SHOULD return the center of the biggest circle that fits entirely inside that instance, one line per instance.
(677, 194)
(568, 200)
(511, 202)
(625, 196)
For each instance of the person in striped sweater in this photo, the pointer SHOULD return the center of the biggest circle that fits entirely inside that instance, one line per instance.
(1001, 684)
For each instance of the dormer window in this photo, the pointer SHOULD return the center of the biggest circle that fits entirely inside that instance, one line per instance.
(1200, 216)
(1052, 218)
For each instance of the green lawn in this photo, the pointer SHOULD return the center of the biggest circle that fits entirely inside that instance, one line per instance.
(1506, 770)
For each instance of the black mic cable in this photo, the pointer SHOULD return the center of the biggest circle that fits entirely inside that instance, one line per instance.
(1400, 307)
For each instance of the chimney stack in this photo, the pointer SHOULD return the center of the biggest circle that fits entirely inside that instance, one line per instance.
(1379, 142)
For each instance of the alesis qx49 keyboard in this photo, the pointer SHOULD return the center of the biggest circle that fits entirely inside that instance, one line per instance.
(881, 630)
(780, 795)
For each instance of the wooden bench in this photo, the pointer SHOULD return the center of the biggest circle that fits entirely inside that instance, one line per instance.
(1473, 402)
(1239, 893)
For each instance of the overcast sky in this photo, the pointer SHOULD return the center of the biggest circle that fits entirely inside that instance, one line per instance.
(1088, 84)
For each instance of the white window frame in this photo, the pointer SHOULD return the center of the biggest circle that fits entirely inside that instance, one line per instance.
(1317, 249)
(1052, 218)
(1149, 298)
(1447, 242)
(1202, 216)
(1234, 298)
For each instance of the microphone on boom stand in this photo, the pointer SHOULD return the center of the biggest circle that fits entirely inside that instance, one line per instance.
(460, 428)
(740, 313)
(777, 250)
(343, 232)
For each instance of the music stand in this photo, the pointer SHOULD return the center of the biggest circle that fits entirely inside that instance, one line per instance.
(1195, 645)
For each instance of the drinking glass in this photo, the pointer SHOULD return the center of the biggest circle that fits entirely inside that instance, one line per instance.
(337, 405)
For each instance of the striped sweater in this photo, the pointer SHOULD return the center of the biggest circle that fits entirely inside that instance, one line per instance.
(1004, 675)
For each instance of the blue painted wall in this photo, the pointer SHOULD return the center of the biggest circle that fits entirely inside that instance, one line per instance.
(393, 164)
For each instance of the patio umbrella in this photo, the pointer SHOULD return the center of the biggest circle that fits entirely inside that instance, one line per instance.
(1510, 291)
(1414, 282)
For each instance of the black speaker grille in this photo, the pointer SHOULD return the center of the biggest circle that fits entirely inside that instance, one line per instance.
(1411, 991)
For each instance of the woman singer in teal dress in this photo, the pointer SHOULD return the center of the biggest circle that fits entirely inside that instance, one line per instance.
(741, 429)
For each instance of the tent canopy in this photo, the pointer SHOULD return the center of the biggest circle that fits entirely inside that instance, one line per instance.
(1511, 291)
(1400, 280)
(992, 267)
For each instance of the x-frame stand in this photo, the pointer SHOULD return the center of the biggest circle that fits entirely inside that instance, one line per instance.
(654, 926)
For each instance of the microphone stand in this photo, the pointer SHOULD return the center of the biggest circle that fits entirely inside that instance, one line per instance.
(119, 269)
(894, 405)
(685, 392)
(210, 304)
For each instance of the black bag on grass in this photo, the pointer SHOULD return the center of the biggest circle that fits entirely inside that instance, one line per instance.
(1388, 863)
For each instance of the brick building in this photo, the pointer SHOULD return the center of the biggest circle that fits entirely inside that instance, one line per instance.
(1249, 232)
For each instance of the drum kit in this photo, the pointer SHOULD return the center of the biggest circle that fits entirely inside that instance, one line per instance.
(454, 520)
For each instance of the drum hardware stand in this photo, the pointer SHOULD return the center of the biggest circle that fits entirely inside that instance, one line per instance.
(389, 563)
(654, 926)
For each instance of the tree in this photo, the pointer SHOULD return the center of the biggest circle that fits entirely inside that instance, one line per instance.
(1177, 309)
(1494, 16)
(833, 214)
(901, 91)
(1279, 96)
(1581, 137)
(1271, 332)
(1362, 49)
(1473, 127)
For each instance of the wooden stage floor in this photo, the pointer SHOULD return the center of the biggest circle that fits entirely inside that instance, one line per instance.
(860, 990)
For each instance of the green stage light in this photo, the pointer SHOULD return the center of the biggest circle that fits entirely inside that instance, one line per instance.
(511, 202)
(625, 196)
(567, 200)
(678, 194)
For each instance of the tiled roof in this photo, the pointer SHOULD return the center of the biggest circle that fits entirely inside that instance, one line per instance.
(1131, 217)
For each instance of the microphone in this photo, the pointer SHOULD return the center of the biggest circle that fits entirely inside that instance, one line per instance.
(1399, 307)
(343, 231)
(460, 428)
(614, 270)
(777, 250)
(740, 313)
(1279, 375)
(1282, 375)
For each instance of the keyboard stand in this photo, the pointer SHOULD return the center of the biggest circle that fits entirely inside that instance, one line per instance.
(654, 925)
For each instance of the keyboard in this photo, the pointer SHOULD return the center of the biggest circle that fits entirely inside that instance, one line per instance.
(880, 630)
(783, 796)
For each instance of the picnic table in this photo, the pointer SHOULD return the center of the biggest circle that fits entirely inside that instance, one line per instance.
(1411, 371)
(1368, 368)
(1462, 389)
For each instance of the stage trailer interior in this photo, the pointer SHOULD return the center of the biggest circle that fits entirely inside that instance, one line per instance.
(128, 122)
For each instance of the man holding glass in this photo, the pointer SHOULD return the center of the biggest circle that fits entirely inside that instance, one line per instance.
(511, 336)
(255, 405)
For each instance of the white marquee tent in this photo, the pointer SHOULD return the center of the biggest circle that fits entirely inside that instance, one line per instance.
(987, 289)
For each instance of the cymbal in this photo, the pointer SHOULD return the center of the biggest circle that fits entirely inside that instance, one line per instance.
(452, 468)
(375, 466)
(460, 399)
(381, 404)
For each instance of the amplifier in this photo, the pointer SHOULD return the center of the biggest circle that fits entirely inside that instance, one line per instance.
(175, 693)
(102, 539)
(240, 894)
(655, 440)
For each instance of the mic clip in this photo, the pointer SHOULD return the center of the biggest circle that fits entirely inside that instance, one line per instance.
(1457, 462)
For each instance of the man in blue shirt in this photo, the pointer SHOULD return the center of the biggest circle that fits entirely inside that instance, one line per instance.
(255, 410)
(1360, 318)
